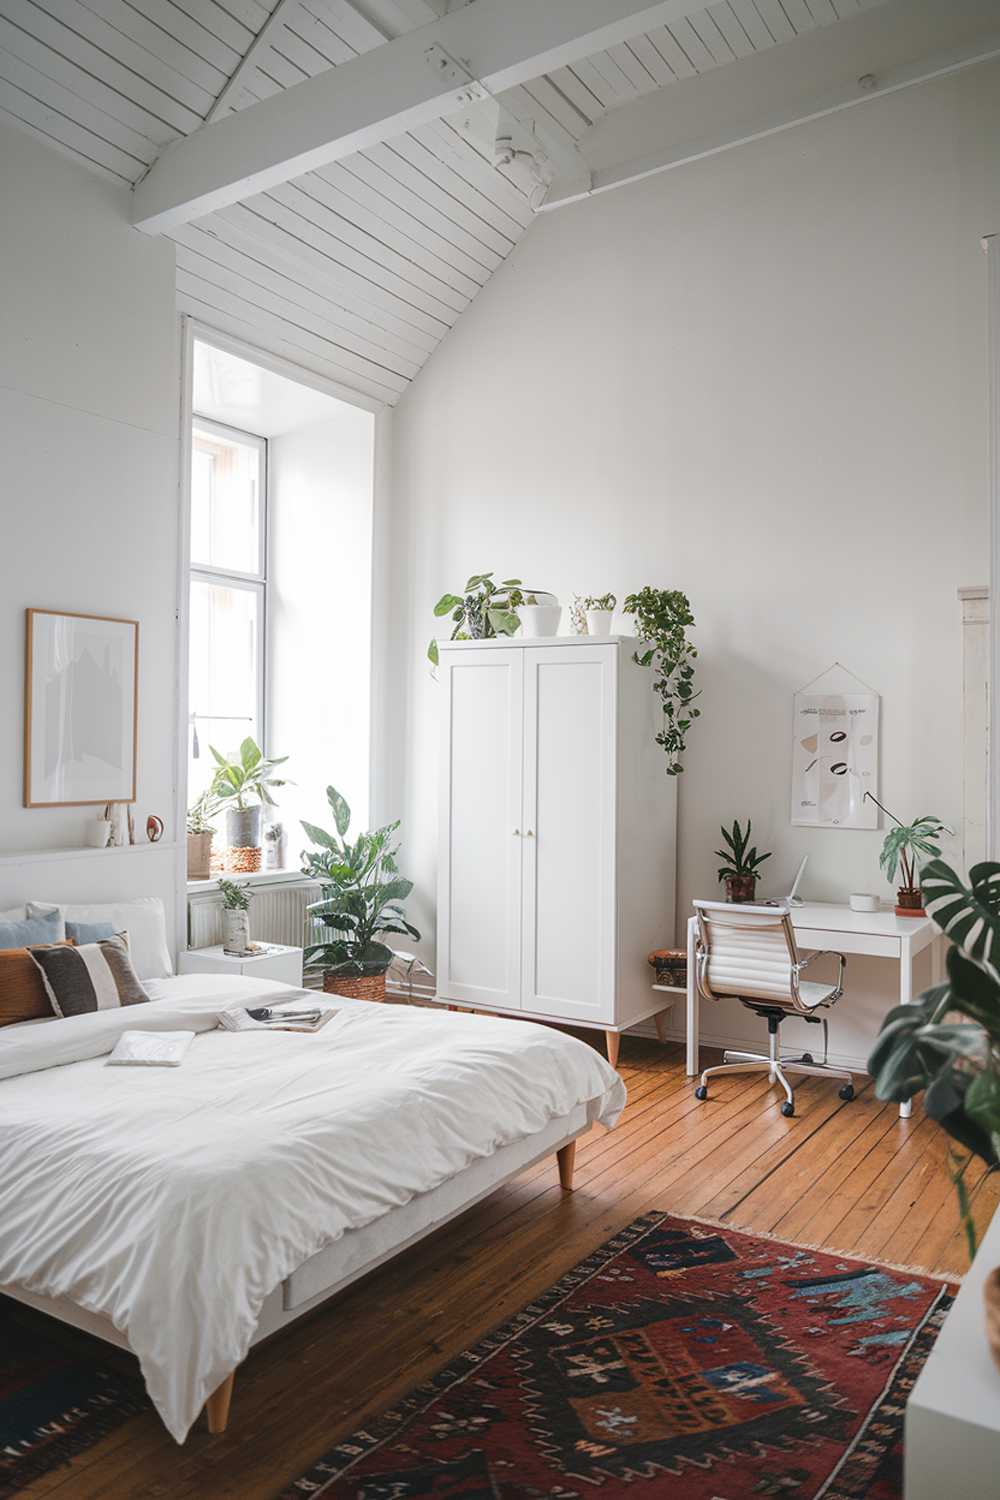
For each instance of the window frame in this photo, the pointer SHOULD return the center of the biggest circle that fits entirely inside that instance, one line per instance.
(256, 583)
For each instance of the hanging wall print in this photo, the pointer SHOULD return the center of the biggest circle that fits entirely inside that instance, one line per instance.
(835, 752)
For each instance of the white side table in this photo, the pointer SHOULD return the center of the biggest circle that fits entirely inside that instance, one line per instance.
(284, 964)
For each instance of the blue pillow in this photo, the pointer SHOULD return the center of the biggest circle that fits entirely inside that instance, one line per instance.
(89, 932)
(47, 929)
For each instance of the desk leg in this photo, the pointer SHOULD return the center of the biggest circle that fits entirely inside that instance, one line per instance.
(905, 996)
(692, 1001)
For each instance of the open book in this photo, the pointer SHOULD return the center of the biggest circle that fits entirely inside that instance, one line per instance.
(303, 1011)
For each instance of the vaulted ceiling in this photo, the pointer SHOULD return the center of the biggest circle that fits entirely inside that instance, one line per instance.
(358, 269)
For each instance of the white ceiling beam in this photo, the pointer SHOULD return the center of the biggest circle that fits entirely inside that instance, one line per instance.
(874, 53)
(481, 49)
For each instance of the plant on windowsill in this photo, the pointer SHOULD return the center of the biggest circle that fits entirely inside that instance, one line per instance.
(485, 610)
(200, 833)
(906, 848)
(741, 862)
(363, 896)
(662, 617)
(241, 785)
(235, 918)
(956, 1062)
(599, 609)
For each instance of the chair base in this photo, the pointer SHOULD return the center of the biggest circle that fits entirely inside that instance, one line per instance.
(777, 1068)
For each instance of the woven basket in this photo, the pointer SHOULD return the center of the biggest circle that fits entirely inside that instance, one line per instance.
(242, 861)
(355, 986)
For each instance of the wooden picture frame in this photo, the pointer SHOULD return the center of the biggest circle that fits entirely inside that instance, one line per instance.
(81, 709)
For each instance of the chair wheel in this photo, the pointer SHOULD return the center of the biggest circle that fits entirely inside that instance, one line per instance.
(847, 1092)
(807, 1057)
(701, 1092)
(788, 1109)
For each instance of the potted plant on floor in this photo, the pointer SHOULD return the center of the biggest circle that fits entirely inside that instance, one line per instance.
(741, 862)
(599, 609)
(362, 902)
(199, 836)
(485, 610)
(235, 918)
(242, 785)
(906, 848)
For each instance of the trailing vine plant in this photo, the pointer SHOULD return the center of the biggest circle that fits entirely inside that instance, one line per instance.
(662, 617)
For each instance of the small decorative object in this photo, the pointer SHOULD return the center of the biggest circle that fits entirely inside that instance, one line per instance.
(600, 610)
(363, 896)
(130, 816)
(114, 815)
(241, 785)
(154, 829)
(275, 846)
(956, 1063)
(80, 710)
(485, 610)
(742, 863)
(578, 615)
(199, 836)
(235, 918)
(670, 965)
(540, 614)
(862, 901)
(662, 617)
(835, 752)
(98, 833)
(906, 847)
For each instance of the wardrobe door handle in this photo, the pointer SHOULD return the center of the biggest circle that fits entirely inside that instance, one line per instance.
(517, 833)
(530, 834)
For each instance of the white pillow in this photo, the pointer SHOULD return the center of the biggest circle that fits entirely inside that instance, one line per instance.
(16, 914)
(143, 920)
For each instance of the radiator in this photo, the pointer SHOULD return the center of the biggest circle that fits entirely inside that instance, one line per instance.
(277, 915)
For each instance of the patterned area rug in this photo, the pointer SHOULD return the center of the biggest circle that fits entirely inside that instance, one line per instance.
(55, 1398)
(681, 1361)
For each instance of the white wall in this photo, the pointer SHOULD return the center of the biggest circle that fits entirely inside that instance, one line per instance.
(760, 379)
(88, 431)
(320, 623)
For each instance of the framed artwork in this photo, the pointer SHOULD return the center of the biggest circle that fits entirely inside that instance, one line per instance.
(81, 692)
(835, 752)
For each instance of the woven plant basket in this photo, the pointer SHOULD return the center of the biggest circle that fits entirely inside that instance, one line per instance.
(242, 861)
(355, 986)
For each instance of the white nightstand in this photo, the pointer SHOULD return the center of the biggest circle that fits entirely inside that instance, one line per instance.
(281, 963)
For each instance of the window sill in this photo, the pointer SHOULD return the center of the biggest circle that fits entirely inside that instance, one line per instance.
(210, 887)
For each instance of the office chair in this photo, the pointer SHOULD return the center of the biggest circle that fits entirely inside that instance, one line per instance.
(749, 952)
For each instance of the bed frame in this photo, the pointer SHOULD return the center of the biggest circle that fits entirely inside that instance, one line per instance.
(360, 1250)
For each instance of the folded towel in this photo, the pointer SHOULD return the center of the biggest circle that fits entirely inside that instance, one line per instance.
(150, 1049)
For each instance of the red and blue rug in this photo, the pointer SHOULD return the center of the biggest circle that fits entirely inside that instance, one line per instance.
(679, 1362)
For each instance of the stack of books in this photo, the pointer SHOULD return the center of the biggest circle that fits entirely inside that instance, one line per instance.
(670, 965)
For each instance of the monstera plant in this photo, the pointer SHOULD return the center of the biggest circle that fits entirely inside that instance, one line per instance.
(947, 1043)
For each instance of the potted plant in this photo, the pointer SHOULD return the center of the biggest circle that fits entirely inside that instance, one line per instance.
(485, 610)
(235, 918)
(199, 836)
(947, 1042)
(599, 610)
(662, 617)
(241, 785)
(363, 896)
(539, 614)
(906, 847)
(741, 863)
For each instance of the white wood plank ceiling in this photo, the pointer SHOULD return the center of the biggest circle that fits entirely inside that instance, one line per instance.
(356, 271)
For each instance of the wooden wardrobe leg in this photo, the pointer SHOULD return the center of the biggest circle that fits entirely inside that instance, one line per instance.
(566, 1157)
(660, 1020)
(217, 1405)
(613, 1039)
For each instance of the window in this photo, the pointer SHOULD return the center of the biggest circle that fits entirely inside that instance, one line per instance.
(228, 612)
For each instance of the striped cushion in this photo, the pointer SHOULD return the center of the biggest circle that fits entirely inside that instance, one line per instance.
(95, 976)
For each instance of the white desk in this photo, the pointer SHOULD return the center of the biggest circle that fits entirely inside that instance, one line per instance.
(821, 924)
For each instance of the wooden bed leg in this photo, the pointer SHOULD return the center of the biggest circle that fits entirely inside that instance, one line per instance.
(613, 1039)
(566, 1157)
(217, 1405)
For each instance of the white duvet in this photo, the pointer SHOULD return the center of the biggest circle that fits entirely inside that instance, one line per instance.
(173, 1201)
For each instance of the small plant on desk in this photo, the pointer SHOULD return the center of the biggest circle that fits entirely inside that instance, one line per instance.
(741, 862)
(906, 848)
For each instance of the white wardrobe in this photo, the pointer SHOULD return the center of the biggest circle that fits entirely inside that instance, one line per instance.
(557, 832)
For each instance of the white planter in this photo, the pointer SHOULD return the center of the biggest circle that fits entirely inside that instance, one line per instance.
(599, 621)
(539, 619)
(235, 932)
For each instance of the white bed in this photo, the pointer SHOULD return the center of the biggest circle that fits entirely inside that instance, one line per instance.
(187, 1213)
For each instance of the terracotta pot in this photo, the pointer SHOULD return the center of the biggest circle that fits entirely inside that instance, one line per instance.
(740, 888)
(909, 902)
(991, 1299)
(355, 986)
(199, 855)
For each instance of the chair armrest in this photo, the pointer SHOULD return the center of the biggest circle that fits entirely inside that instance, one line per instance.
(804, 963)
(823, 953)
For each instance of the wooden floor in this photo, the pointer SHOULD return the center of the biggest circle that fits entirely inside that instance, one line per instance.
(849, 1176)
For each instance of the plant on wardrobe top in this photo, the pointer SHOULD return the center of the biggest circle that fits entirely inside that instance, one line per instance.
(662, 617)
(486, 609)
(600, 601)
